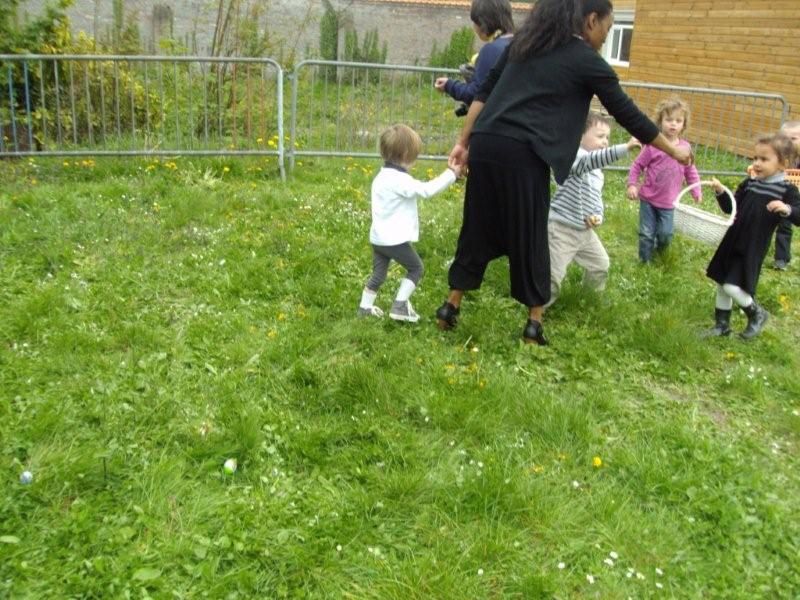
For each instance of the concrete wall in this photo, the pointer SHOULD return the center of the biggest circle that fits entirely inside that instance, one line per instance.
(409, 29)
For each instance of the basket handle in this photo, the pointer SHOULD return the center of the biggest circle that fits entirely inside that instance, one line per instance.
(688, 188)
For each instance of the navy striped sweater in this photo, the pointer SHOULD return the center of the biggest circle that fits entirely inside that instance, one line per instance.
(581, 195)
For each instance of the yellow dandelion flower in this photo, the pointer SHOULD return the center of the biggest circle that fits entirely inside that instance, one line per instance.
(65, 163)
(260, 141)
(281, 317)
(730, 355)
(597, 462)
(482, 383)
(226, 169)
(783, 300)
(272, 333)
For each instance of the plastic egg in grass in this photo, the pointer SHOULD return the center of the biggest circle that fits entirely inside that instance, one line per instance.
(230, 466)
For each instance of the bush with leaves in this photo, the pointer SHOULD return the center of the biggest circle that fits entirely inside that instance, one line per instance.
(329, 37)
(457, 51)
(370, 51)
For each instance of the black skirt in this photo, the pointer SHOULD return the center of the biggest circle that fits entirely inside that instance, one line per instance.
(506, 207)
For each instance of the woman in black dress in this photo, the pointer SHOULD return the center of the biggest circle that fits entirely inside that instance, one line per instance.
(527, 118)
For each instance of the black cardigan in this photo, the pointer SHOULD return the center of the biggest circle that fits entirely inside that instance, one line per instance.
(543, 102)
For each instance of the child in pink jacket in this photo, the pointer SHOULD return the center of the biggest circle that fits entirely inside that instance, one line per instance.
(663, 179)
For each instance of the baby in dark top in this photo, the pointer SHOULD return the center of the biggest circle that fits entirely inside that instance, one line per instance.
(761, 202)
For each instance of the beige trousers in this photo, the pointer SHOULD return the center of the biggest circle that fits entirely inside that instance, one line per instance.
(583, 247)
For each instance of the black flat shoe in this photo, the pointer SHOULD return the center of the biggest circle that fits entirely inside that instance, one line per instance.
(446, 316)
(534, 333)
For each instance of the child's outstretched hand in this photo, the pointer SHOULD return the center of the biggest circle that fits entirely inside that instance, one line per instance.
(633, 143)
(440, 83)
(715, 183)
(777, 206)
(633, 193)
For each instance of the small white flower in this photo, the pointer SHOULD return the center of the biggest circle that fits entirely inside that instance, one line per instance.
(561, 565)
(338, 547)
(480, 465)
(629, 574)
(480, 572)
(639, 575)
(576, 485)
(370, 549)
(590, 579)
(609, 562)
(659, 572)
(659, 586)
(613, 555)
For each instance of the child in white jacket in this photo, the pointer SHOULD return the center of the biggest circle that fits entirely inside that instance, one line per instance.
(395, 220)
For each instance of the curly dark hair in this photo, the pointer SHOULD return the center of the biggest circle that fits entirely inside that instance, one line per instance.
(492, 15)
(552, 23)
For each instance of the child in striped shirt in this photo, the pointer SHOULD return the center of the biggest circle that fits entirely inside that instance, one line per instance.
(577, 208)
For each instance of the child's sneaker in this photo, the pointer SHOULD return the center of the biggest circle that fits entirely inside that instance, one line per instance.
(403, 311)
(372, 311)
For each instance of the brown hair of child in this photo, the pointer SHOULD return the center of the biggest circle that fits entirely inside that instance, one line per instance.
(781, 144)
(594, 117)
(400, 145)
(669, 106)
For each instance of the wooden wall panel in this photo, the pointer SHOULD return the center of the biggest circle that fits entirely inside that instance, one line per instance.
(748, 45)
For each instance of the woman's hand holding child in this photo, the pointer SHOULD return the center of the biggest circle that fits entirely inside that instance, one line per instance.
(458, 170)
(683, 155)
(715, 183)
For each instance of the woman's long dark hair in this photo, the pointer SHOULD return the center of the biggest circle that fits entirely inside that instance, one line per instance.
(552, 23)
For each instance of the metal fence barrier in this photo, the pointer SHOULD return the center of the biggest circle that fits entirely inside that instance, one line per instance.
(66, 105)
(723, 124)
(339, 109)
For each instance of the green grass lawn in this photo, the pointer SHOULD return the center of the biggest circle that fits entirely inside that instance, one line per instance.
(159, 317)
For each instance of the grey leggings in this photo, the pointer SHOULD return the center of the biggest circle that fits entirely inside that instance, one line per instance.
(402, 253)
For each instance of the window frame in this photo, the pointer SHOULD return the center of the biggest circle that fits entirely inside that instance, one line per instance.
(623, 21)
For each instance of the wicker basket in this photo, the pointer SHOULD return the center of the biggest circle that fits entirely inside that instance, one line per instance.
(701, 225)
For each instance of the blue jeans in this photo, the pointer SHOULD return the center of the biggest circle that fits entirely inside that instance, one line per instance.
(655, 229)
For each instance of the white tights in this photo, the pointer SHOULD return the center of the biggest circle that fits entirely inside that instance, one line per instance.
(728, 293)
